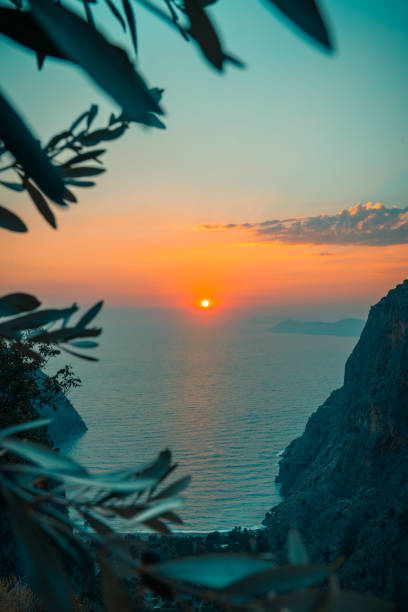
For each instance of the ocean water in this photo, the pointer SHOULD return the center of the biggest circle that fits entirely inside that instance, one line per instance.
(225, 397)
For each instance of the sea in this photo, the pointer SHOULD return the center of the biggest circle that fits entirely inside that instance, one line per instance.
(226, 397)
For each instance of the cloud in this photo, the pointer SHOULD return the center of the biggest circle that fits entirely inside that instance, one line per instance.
(364, 224)
(225, 226)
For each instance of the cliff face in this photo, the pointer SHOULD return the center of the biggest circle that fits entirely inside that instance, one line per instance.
(66, 420)
(345, 480)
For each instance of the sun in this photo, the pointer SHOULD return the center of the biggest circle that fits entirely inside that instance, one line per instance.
(205, 303)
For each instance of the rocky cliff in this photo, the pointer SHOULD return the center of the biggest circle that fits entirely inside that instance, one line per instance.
(345, 480)
(66, 420)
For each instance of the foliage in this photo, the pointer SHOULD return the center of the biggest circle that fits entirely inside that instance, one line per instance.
(23, 392)
(50, 29)
(34, 492)
(37, 327)
(39, 486)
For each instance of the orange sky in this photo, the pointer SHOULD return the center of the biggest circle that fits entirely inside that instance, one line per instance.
(133, 260)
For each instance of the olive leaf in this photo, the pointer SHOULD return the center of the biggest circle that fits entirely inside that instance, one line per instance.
(10, 221)
(28, 153)
(107, 64)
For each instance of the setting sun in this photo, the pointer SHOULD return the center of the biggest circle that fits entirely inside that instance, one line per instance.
(205, 303)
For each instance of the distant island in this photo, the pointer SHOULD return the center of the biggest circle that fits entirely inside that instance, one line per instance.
(345, 327)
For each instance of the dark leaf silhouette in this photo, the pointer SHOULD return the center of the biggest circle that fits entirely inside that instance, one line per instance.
(12, 186)
(85, 344)
(42, 560)
(14, 303)
(80, 183)
(174, 488)
(23, 29)
(79, 172)
(40, 203)
(78, 120)
(93, 111)
(279, 580)
(27, 152)
(10, 221)
(57, 138)
(116, 14)
(90, 314)
(88, 13)
(69, 196)
(306, 15)
(38, 319)
(45, 458)
(203, 32)
(81, 157)
(94, 138)
(131, 21)
(107, 64)
(115, 596)
(297, 553)
(14, 429)
(65, 334)
(213, 571)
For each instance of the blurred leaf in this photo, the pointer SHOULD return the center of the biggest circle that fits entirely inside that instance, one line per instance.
(78, 120)
(85, 344)
(80, 183)
(94, 138)
(214, 571)
(42, 561)
(131, 21)
(97, 525)
(90, 315)
(297, 554)
(162, 589)
(154, 121)
(77, 159)
(47, 459)
(172, 517)
(157, 93)
(280, 580)
(157, 509)
(88, 12)
(14, 429)
(69, 196)
(306, 15)
(114, 594)
(116, 14)
(351, 601)
(14, 303)
(57, 138)
(64, 334)
(93, 111)
(174, 488)
(157, 525)
(23, 29)
(27, 152)
(204, 33)
(10, 221)
(299, 601)
(79, 172)
(38, 319)
(107, 64)
(13, 186)
(159, 467)
(40, 203)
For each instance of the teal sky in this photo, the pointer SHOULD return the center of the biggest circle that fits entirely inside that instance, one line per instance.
(298, 132)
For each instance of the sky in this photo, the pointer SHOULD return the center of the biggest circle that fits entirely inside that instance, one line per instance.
(284, 183)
